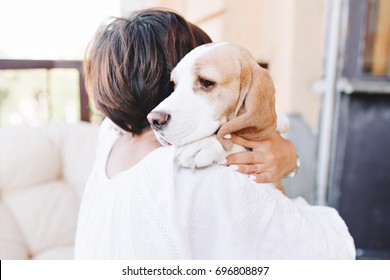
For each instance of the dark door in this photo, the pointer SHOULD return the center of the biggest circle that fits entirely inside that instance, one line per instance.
(359, 185)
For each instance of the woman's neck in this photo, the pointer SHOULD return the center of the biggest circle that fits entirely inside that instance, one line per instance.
(128, 150)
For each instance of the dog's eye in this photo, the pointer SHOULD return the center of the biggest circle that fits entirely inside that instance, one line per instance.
(207, 84)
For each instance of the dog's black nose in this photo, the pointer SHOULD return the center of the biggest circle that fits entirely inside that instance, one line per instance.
(158, 119)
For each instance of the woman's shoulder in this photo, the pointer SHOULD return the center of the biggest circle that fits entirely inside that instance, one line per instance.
(215, 178)
(108, 127)
(230, 204)
(219, 179)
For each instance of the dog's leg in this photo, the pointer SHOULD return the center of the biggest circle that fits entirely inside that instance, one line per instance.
(201, 153)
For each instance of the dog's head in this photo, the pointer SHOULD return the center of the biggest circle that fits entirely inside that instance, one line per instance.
(217, 86)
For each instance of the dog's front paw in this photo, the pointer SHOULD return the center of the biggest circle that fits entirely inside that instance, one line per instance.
(201, 153)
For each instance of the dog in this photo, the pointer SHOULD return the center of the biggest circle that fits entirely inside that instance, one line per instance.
(219, 89)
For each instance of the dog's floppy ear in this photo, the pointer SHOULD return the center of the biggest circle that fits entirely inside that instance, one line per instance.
(255, 116)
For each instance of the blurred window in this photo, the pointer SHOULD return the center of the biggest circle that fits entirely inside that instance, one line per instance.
(38, 96)
(47, 31)
(377, 39)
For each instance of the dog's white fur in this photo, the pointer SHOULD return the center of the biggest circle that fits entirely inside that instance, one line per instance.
(197, 112)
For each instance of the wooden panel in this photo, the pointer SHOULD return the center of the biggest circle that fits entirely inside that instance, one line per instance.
(381, 52)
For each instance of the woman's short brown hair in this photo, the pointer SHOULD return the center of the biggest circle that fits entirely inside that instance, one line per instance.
(128, 64)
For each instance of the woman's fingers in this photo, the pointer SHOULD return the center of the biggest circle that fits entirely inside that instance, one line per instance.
(244, 158)
(257, 172)
(261, 173)
(247, 169)
(264, 177)
(269, 160)
(273, 155)
(241, 141)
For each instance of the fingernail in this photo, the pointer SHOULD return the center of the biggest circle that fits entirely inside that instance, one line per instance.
(252, 177)
(223, 161)
(234, 167)
(227, 136)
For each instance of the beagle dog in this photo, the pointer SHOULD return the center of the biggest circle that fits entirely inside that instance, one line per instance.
(218, 89)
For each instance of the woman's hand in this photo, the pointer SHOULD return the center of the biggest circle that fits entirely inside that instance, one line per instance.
(269, 160)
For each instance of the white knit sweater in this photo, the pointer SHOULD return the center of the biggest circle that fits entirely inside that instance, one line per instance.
(156, 211)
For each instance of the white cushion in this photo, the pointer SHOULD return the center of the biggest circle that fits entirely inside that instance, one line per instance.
(12, 244)
(57, 253)
(46, 214)
(43, 171)
(29, 156)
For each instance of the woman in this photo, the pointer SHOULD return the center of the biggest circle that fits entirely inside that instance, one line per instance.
(136, 205)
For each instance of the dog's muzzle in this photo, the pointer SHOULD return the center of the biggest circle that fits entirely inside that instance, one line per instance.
(158, 120)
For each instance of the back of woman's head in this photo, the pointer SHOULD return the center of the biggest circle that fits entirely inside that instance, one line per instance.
(129, 62)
